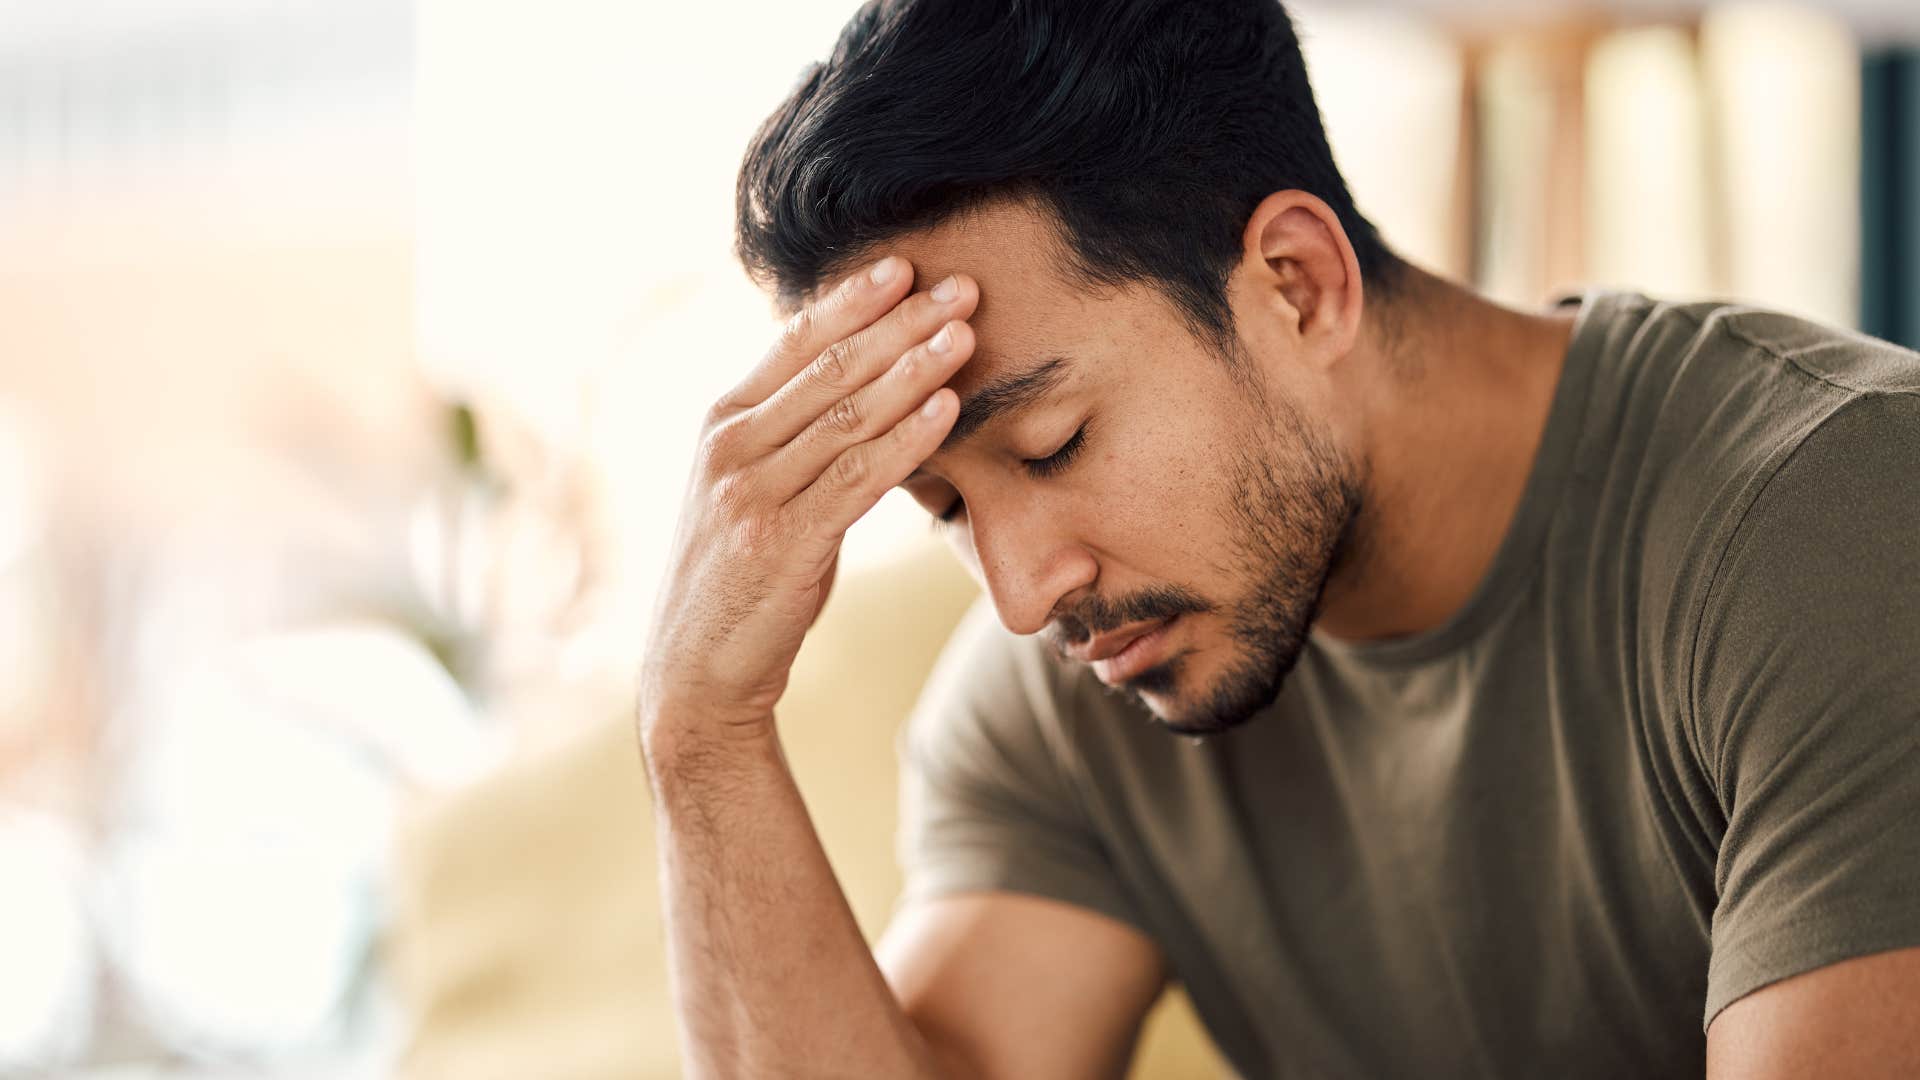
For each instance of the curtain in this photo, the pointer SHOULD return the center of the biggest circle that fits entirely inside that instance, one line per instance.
(1889, 188)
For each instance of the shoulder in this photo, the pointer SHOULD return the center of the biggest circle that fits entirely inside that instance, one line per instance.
(1801, 700)
(1834, 520)
(1711, 421)
(1812, 603)
(1710, 402)
(1839, 357)
(1838, 503)
(1743, 377)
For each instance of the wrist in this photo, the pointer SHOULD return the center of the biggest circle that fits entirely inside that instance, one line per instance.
(679, 739)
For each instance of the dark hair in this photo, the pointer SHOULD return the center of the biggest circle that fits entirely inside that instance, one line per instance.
(1150, 129)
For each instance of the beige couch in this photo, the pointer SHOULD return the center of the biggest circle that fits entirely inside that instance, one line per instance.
(528, 942)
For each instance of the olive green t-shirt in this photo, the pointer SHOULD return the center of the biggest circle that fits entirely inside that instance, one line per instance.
(1667, 753)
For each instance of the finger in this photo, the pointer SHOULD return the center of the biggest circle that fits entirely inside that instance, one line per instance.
(853, 362)
(870, 411)
(856, 301)
(862, 474)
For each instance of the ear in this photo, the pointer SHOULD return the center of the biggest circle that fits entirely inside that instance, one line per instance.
(1300, 268)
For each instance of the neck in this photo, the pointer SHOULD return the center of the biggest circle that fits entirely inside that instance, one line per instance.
(1458, 395)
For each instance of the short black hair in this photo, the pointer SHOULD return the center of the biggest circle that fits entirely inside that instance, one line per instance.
(1149, 129)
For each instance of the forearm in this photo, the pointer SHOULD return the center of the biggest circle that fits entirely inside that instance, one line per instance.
(771, 974)
(770, 971)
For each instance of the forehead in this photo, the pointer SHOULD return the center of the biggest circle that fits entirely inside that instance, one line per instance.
(1029, 308)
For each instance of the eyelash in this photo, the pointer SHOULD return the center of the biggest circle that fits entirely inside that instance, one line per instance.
(1039, 468)
(1053, 463)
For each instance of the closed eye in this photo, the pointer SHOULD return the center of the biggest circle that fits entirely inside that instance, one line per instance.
(1053, 463)
(1039, 468)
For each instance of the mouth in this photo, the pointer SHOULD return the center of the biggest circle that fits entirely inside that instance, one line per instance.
(1137, 656)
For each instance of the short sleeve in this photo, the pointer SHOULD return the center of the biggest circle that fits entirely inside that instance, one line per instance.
(985, 801)
(1806, 685)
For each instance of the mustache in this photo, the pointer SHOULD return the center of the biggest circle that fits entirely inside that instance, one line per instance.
(1096, 615)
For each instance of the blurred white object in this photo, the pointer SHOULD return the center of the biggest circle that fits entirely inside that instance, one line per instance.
(242, 893)
(399, 707)
(1785, 83)
(26, 643)
(501, 571)
(22, 513)
(49, 970)
(237, 950)
(1650, 199)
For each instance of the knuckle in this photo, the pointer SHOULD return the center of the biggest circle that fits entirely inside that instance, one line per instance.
(836, 363)
(721, 443)
(758, 534)
(851, 471)
(845, 418)
(844, 292)
(709, 462)
(795, 333)
(731, 497)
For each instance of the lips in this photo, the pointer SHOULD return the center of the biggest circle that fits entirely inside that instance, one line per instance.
(1107, 646)
(1130, 655)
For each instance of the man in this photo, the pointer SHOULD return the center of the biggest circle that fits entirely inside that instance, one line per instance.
(1555, 676)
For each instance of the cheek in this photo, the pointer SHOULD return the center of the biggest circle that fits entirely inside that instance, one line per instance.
(1159, 504)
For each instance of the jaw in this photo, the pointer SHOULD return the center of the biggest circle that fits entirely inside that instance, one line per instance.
(1218, 683)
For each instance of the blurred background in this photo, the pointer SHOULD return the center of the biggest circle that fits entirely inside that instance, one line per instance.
(351, 355)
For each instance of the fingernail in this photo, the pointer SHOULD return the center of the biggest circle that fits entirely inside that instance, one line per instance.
(885, 270)
(932, 408)
(942, 341)
(946, 290)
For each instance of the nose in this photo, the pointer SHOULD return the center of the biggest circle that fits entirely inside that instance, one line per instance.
(1027, 564)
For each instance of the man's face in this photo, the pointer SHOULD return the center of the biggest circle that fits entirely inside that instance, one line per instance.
(1152, 508)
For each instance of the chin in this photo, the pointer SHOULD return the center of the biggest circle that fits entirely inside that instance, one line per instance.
(1186, 699)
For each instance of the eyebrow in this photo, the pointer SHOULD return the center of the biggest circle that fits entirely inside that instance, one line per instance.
(1007, 394)
(1002, 397)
